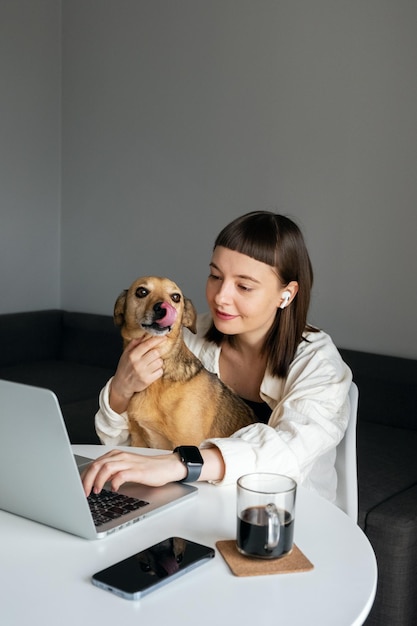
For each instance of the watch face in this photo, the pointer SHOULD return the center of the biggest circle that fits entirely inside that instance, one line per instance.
(191, 457)
(191, 454)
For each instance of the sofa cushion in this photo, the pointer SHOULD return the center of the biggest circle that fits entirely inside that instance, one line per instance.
(29, 337)
(387, 388)
(388, 402)
(90, 339)
(70, 382)
(79, 420)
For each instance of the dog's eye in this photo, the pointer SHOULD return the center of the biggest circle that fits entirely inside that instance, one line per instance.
(145, 567)
(141, 292)
(175, 297)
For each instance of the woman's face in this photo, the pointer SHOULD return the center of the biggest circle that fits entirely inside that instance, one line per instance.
(243, 294)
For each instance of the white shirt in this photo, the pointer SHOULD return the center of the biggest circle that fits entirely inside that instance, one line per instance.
(310, 412)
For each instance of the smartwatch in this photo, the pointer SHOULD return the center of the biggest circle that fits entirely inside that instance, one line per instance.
(193, 461)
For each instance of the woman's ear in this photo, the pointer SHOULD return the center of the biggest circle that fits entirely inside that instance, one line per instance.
(288, 294)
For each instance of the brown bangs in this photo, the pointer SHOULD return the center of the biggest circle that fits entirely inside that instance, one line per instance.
(252, 237)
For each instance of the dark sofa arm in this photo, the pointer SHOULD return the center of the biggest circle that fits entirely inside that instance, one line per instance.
(392, 530)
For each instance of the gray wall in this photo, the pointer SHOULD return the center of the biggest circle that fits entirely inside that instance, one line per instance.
(178, 115)
(30, 76)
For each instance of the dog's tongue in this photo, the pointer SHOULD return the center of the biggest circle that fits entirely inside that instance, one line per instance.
(170, 315)
(169, 564)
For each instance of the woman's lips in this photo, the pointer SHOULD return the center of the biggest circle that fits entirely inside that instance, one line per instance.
(224, 316)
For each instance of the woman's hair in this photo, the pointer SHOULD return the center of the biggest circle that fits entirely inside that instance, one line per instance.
(277, 241)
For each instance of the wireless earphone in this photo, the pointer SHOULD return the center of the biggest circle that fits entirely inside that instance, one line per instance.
(286, 295)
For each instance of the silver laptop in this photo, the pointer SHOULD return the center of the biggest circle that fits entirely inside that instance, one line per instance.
(41, 476)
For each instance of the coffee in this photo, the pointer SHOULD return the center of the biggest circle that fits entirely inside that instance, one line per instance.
(253, 533)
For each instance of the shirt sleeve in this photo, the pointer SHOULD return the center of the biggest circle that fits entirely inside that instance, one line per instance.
(309, 418)
(111, 427)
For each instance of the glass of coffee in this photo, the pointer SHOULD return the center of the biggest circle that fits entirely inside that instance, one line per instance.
(265, 515)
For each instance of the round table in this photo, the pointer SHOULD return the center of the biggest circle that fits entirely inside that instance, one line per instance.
(45, 573)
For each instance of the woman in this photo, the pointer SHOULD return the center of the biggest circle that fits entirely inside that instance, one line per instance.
(257, 340)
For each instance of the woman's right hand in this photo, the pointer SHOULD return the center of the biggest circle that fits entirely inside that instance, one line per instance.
(139, 366)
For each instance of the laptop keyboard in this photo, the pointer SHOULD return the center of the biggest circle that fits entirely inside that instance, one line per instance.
(109, 505)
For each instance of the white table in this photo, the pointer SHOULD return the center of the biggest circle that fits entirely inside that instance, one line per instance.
(45, 573)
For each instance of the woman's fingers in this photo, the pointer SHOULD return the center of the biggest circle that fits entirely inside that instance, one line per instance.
(118, 467)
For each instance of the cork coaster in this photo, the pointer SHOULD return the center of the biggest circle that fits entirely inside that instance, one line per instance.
(248, 566)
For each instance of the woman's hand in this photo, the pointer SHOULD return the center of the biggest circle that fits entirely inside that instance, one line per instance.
(139, 366)
(119, 467)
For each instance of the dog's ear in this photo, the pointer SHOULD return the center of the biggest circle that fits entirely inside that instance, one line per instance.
(119, 309)
(189, 317)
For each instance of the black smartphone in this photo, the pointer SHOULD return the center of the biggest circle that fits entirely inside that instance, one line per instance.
(148, 570)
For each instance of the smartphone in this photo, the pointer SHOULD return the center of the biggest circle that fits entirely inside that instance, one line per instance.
(152, 568)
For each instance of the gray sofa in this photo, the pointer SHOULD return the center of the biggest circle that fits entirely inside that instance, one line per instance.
(75, 353)
(387, 479)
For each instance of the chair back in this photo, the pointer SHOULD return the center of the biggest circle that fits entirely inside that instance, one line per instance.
(346, 462)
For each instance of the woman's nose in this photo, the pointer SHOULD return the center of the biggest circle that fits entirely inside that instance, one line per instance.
(223, 293)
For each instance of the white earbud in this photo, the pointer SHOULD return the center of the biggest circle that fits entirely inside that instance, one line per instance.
(286, 295)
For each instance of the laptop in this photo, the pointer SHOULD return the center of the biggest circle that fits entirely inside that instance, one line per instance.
(43, 480)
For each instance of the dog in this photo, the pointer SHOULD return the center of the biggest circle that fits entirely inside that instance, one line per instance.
(188, 404)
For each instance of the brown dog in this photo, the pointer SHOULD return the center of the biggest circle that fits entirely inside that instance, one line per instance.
(188, 404)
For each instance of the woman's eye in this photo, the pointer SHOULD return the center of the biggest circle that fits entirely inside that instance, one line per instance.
(214, 277)
(244, 288)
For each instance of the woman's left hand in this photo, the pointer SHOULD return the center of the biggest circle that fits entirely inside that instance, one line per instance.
(119, 467)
